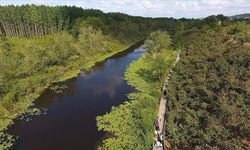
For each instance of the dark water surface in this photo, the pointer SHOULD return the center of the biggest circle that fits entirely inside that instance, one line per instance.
(70, 122)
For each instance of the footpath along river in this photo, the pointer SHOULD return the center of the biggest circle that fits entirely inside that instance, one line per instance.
(70, 122)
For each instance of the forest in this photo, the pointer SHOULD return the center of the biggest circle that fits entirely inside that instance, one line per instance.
(208, 96)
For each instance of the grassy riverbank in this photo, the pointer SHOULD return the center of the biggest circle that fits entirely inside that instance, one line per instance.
(131, 123)
(31, 65)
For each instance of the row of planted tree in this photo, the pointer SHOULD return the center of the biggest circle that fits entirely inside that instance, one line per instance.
(37, 21)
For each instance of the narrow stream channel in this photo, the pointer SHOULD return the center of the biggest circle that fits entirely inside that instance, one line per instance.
(70, 122)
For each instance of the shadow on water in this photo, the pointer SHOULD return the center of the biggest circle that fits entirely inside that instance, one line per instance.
(70, 122)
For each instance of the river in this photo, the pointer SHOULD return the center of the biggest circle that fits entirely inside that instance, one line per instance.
(70, 122)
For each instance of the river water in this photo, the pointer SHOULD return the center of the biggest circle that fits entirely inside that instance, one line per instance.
(70, 122)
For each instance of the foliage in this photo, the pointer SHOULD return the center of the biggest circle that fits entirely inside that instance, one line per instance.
(6, 141)
(156, 42)
(208, 97)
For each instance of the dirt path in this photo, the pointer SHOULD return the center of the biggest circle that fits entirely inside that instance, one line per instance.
(160, 131)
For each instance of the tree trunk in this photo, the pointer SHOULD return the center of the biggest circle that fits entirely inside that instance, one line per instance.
(3, 28)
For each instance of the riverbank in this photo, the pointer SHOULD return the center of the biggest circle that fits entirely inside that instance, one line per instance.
(91, 63)
(60, 74)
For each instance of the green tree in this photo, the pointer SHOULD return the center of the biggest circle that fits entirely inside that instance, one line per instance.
(156, 42)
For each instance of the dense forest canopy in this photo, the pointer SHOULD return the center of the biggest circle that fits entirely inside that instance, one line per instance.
(208, 97)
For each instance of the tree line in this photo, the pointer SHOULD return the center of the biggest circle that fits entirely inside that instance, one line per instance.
(38, 21)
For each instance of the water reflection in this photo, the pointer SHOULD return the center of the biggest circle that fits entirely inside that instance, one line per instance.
(70, 122)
